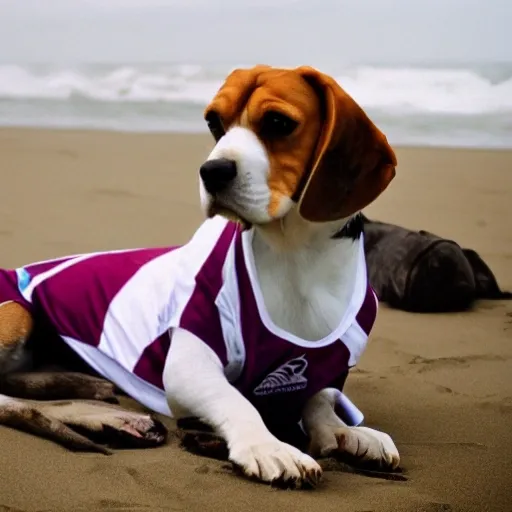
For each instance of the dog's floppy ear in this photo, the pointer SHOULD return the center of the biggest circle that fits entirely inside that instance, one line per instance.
(353, 162)
(230, 99)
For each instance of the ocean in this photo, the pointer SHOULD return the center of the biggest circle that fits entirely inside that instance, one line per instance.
(463, 106)
(428, 73)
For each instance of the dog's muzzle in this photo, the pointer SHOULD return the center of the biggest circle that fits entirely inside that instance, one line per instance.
(217, 174)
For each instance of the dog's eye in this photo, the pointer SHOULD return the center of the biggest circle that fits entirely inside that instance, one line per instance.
(215, 125)
(275, 124)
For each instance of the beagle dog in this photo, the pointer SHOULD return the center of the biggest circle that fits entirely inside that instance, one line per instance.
(253, 325)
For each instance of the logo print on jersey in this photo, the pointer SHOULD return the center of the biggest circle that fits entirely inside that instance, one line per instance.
(288, 377)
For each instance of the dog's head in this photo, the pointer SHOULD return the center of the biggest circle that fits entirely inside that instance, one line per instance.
(291, 138)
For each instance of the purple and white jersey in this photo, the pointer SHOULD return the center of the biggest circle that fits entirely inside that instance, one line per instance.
(115, 310)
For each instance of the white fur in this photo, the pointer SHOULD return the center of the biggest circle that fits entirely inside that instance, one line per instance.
(327, 432)
(306, 280)
(306, 277)
(195, 384)
(249, 194)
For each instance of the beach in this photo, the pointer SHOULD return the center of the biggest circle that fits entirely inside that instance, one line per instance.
(440, 385)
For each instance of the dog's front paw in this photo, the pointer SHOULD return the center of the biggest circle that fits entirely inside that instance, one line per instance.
(273, 461)
(359, 446)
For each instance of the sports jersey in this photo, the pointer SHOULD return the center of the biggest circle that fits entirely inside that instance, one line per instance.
(116, 310)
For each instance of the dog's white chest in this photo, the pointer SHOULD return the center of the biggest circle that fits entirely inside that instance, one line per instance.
(307, 293)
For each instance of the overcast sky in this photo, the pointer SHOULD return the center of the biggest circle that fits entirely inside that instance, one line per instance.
(244, 31)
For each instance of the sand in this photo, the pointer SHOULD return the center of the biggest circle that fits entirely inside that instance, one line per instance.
(441, 385)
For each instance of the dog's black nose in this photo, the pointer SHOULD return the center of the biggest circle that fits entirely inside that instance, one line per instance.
(217, 174)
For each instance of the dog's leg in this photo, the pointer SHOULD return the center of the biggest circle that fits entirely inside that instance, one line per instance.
(57, 386)
(196, 386)
(106, 422)
(330, 436)
(19, 414)
(102, 422)
(16, 325)
(83, 425)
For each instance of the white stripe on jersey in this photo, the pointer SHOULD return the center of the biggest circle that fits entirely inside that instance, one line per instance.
(166, 284)
(148, 395)
(197, 252)
(137, 314)
(355, 339)
(228, 304)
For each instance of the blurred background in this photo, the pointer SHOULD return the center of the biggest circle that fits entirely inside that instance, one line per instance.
(436, 72)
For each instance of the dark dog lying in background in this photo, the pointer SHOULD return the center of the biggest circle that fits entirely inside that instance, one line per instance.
(418, 271)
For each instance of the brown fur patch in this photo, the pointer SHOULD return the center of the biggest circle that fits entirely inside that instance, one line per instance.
(15, 324)
(353, 163)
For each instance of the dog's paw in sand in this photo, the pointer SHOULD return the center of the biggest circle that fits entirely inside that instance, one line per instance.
(83, 425)
(113, 425)
(358, 446)
(275, 462)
